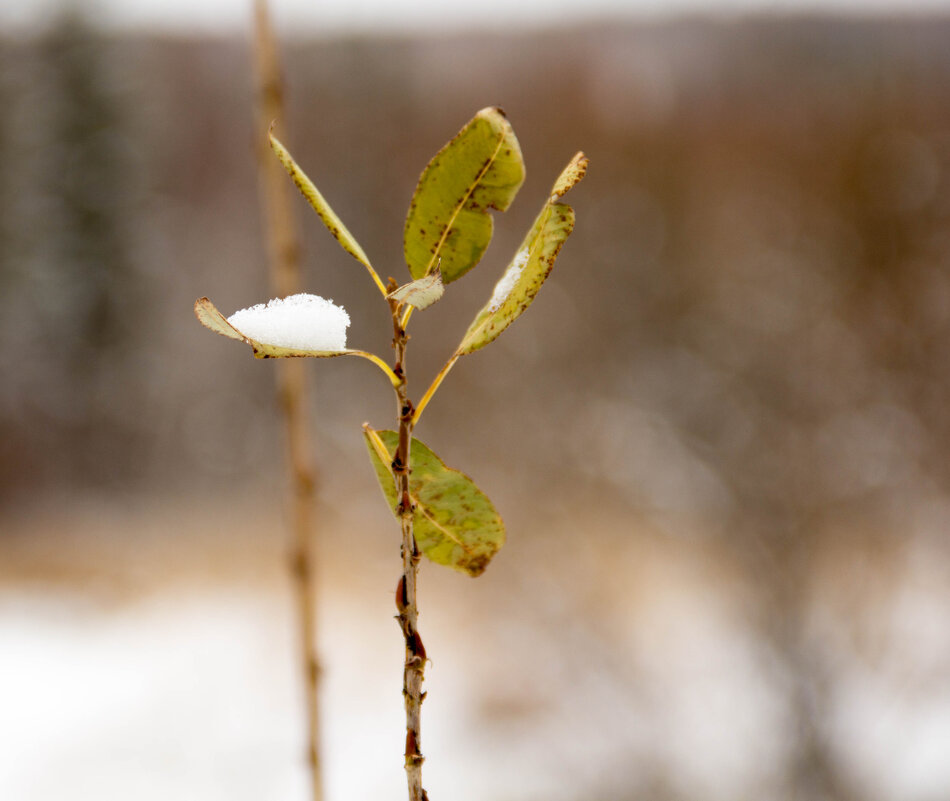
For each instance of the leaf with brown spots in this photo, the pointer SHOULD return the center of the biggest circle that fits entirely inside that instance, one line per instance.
(421, 293)
(455, 523)
(530, 266)
(319, 204)
(570, 176)
(209, 316)
(449, 219)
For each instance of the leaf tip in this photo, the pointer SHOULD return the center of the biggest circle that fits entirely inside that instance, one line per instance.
(212, 319)
(476, 566)
(201, 309)
(570, 176)
(490, 111)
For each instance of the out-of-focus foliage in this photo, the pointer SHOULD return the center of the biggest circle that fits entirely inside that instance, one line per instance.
(747, 357)
(74, 385)
(767, 231)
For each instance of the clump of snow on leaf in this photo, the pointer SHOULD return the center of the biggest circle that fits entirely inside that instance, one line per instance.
(508, 280)
(304, 322)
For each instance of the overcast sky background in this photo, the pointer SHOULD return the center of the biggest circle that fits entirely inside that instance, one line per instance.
(313, 16)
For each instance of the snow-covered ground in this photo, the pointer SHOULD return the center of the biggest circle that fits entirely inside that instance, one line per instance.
(149, 652)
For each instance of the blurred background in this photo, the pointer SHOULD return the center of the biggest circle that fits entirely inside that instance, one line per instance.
(719, 439)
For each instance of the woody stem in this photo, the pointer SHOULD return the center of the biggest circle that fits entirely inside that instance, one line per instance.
(414, 667)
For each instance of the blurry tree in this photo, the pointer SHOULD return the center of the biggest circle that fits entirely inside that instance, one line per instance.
(75, 276)
(8, 255)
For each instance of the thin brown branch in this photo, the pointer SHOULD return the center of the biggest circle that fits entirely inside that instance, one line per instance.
(284, 248)
(414, 667)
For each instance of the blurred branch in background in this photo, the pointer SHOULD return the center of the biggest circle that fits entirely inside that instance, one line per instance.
(284, 255)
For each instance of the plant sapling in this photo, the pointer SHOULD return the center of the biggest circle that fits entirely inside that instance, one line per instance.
(441, 513)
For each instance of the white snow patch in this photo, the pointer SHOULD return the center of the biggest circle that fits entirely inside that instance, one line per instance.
(306, 322)
(508, 280)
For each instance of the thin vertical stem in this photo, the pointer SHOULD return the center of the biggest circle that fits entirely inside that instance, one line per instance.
(284, 259)
(414, 666)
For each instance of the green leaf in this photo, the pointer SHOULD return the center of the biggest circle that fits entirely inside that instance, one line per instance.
(455, 524)
(480, 169)
(322, 208)
(421, 293)
(530, 266)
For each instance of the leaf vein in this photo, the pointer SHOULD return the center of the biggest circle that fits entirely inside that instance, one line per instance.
(462, 202)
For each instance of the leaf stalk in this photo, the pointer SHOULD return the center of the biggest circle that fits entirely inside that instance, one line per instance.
(394, 379)
(436, 382)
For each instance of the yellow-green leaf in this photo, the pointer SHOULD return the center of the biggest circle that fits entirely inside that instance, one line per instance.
(570, 176)
(333, 223)
(449, 219)
(530, 266)
(454, 522)
(421, 293)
